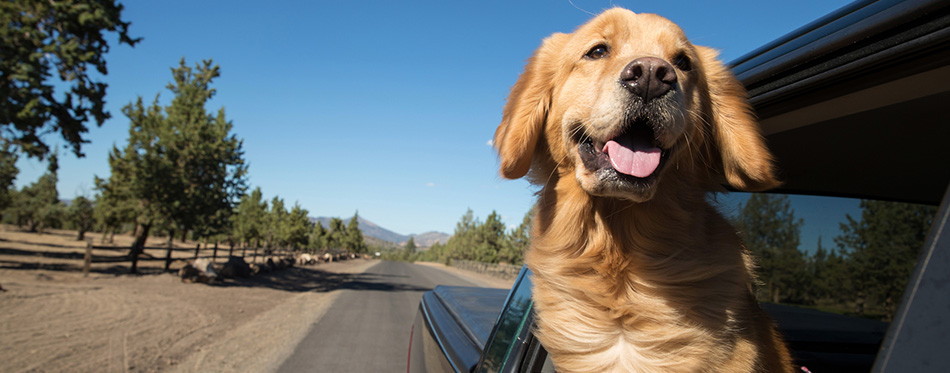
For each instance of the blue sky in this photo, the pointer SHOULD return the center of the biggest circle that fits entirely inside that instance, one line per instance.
(385, 107)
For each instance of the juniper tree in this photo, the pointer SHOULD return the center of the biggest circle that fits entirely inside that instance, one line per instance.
(47, 52)
(182, 167)
(82, 214)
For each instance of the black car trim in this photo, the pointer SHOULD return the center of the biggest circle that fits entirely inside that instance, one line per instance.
(437, 332)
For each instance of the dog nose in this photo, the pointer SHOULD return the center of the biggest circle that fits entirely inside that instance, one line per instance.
(648, 77)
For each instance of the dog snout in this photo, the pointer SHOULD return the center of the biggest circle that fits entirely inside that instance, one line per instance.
(648, 77)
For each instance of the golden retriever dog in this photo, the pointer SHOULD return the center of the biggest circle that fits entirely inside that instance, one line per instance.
(627, 127)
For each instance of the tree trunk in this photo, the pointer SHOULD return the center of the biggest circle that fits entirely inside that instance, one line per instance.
(139, 245)
(184, 235)
(82, 235)
(112, 235)
(214, 254)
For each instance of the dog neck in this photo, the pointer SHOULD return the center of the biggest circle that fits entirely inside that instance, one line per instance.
(664, 242)
(673, 255)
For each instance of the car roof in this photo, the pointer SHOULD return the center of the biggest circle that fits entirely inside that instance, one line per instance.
(855, 103)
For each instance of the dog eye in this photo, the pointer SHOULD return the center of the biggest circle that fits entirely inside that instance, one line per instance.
(597, 52)
(683, 62)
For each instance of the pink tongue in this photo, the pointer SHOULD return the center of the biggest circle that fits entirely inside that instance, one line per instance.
(635, 159)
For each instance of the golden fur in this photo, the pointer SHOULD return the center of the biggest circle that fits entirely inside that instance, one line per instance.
(638, 275)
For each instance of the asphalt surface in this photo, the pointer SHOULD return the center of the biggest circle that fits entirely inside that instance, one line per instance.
(367, 328)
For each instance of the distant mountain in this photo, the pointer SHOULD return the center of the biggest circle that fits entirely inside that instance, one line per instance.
(428, 239)
(370, 229)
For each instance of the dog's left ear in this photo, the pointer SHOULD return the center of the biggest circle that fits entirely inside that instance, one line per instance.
(737, 140)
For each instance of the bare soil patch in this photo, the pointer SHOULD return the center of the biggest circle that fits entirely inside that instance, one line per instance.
(52, 318)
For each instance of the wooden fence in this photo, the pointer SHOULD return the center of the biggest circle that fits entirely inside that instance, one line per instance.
(499, 270)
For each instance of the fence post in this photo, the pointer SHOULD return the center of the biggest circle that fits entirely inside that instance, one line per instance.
(87, 260)
(214, 254)
(197, 247)
(168, 254)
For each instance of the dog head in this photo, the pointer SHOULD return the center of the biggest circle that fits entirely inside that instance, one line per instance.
(625, 103)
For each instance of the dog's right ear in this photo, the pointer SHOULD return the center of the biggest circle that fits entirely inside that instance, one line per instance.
(527, 109)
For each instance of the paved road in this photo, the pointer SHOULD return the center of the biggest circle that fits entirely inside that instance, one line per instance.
(367, 328)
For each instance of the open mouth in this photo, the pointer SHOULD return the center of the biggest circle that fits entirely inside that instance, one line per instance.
(635, 153)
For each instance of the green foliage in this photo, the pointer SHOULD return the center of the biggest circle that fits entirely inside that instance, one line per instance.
(208, 158)
(8, 173)
(882, 249)
(487, 242)
(336, 238)
(37, 206)
(277, 233)
(828, 276)
(115, 204)
(866, 275)
(248, 219)
(181, 168)
(82, 215)
(770, 231)
(318, 237)
(42, 38)
(298, 228)
(354, 236)
(410, 246)
(517, 242)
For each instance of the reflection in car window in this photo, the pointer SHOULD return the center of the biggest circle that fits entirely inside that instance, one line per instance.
(839, 255)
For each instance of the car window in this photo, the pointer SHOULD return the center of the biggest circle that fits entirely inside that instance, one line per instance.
(840, 255)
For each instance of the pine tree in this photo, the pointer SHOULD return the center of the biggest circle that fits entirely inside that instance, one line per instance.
(410, 246)
(298, 227)
(249, 218)
(882, 249)
(462, 243)
(277, 232)
(354, 236)
(490, 238)
(318, 237)
(337, 236)
(517, 242)
(828, 276)
(770, 231)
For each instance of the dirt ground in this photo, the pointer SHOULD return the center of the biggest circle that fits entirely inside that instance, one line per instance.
(52, 318)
